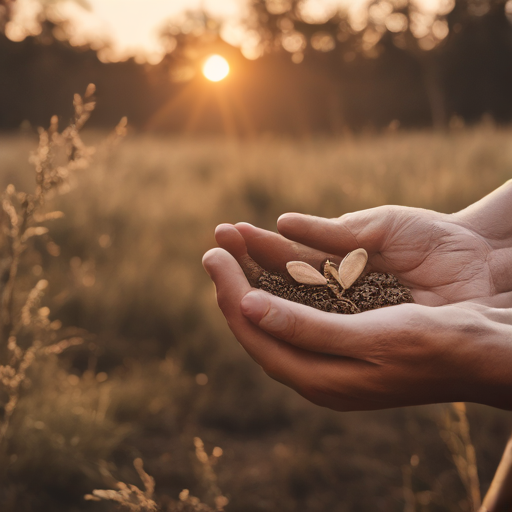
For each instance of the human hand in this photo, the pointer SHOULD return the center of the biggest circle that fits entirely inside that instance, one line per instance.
(443, 258)
(402, 355)
(397, 356)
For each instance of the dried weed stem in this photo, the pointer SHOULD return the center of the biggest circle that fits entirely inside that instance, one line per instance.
(22, 216)
(457, 437)
(132, 499)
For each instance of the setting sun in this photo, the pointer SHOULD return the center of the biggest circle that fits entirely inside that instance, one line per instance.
(216, 68)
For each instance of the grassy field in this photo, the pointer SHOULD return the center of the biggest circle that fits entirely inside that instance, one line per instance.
(160, 367)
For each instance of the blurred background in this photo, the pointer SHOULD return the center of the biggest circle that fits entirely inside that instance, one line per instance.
(238, 110)
(296, 67)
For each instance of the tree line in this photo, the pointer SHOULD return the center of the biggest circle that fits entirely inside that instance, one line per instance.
(399, 66)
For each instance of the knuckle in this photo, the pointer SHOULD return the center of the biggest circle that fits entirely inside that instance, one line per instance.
(269, 367)
(223, 300)
(457, 324)
(271, 372)
(281, 322)
(309, 393)
(317, 392)
(273, 367)
(473, 326)
(275, 372)
(416, 320)
(394, 340)
(332, 395)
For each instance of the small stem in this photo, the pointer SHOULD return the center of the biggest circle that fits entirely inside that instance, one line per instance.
(335, 288)
(9, 410)
(472, 473)
(499, 496)
(409, 497)
(8, 296)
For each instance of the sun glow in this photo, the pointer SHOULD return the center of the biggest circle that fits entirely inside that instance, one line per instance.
(216, 68)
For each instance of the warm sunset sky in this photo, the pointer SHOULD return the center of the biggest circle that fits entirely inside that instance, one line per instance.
(131, 26)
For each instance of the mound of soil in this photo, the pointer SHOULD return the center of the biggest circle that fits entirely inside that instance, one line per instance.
(371, 291)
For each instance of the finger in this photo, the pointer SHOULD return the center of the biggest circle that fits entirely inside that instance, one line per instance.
(280, 360)
(229, 238)
(360, 336)
(272, 251)
(368, 229)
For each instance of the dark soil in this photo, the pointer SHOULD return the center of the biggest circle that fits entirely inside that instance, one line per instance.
(370, 291)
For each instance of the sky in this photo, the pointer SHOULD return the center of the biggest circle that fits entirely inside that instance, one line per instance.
(131, 27)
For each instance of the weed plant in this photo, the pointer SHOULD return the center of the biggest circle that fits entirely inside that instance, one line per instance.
(28, 338)
(25, 329)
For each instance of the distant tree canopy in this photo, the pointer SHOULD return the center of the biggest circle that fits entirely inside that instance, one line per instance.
(436, 41)
(394, 63)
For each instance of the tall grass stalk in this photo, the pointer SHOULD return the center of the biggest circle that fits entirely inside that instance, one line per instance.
(133, 499)
(130, 497)
(457, 437)
(26, 331)
(499, 495)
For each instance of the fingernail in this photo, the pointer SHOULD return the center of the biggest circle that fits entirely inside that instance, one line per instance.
(289, 217)
(255, 306)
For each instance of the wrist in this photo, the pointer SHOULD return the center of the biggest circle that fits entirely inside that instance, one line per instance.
(494, 387)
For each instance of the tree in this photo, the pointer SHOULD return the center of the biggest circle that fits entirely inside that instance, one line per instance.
(7, 11)
(425, 31)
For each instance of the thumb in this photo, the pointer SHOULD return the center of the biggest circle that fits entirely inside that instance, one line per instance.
(367, 228)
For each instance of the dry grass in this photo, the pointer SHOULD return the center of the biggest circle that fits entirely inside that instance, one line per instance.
(457, 437)
(131, 498)
(164, 369)
(25, 329)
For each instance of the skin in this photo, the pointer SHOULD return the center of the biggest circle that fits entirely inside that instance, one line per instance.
(454, 344)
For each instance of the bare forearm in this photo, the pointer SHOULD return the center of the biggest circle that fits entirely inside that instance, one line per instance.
(488, 348)
(498, 392)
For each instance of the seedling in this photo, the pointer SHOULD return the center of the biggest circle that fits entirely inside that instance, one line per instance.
(344, 289)
(344, 277)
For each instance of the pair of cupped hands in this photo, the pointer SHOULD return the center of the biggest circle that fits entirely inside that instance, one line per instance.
(453, 345)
